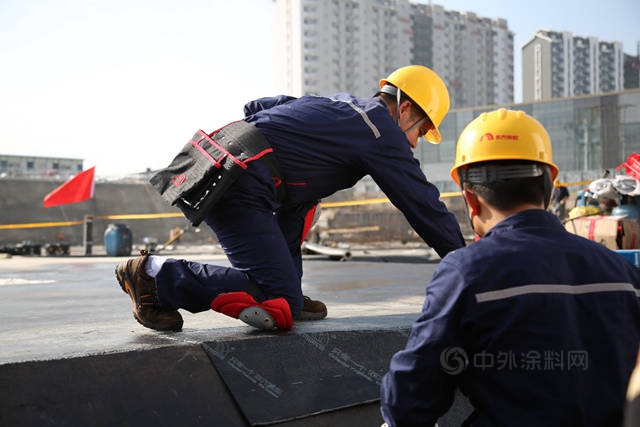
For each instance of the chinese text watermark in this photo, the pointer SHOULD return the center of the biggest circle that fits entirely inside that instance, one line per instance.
(454, 360)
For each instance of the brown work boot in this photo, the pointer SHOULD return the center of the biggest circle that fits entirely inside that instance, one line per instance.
(312, 310)
(143, 292)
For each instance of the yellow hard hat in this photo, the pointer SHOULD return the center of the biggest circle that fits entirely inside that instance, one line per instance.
(426, 89)
(503, 135)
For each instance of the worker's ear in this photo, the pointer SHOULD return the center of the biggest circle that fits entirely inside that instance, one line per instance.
(405, 107)
(472, 201)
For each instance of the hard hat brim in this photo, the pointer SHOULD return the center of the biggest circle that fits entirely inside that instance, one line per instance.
(433, 136)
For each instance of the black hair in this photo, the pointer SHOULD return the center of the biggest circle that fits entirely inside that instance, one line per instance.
(509, 193)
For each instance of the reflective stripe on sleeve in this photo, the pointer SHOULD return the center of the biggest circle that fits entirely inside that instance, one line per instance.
(555, 289)
(366, 119)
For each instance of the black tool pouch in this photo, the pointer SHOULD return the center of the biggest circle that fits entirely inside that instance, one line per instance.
(209, 164)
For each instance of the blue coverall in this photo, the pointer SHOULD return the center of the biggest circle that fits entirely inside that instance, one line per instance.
(323, 144)
(546, 325)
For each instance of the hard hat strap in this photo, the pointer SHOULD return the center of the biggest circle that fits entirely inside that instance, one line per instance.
(496, 172)
(416, 124)
(484, 174)
(398, 95)
(389, 90)
(393, 91)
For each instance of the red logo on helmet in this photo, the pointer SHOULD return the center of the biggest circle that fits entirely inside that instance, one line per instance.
(178, 180)
(490, 137)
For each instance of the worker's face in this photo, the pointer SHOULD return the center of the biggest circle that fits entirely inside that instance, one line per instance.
(414, 124)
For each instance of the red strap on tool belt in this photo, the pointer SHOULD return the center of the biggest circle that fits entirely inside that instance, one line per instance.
(209, 164)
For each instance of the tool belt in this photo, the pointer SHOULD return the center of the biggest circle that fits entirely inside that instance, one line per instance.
(209, 164)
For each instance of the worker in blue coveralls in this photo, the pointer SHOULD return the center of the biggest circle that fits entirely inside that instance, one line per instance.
(535, 325)
(322, 144)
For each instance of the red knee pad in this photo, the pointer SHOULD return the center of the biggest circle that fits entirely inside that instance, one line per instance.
(233, 303)
(280, 311)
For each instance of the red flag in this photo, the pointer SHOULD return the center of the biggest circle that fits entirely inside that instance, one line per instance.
(76, 189)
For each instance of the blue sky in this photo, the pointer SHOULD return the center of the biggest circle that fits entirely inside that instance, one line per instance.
(124, 83)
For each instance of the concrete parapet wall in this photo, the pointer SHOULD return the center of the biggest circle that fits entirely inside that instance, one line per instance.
(21, 201)
(184, 386)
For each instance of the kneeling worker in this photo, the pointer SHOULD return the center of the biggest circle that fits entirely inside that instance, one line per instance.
(316, 146)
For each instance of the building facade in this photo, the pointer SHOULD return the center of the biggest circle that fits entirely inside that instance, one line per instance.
(33, 167)
(557, 64)
(575, 86)
(589, 134)
(326, 46)
(632, 69)
(474, 55)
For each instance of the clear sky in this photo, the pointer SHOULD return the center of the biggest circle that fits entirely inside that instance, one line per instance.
(123, 84)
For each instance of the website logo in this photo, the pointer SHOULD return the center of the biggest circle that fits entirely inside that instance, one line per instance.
(453, 360)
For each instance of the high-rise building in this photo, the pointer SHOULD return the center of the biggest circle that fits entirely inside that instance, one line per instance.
(325, 46)
(610, 67)
(632, 69)
(474, 55)
(557, 64)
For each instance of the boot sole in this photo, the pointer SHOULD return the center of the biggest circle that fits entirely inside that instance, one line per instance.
(309, 315)
(122, 276)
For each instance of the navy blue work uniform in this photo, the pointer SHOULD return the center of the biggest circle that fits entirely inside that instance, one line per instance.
(322, 144)
(537, 326)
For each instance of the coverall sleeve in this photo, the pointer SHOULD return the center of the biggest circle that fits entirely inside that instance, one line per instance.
(417, 389)
(399, 176)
